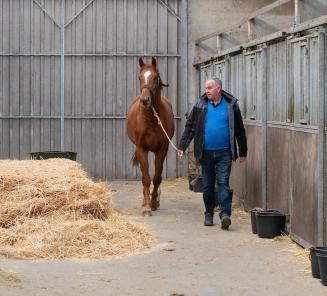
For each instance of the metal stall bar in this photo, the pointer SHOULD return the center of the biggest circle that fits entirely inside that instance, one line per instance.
(264, 128)
(171, 10)
(62, 75)
(79, 13)
(121, 54)
(297, 17)
(46, 13)
(228, 73)
(321, 140)
(184, 69)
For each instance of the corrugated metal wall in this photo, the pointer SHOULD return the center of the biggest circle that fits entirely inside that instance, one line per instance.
(290, 76)
(103, 41)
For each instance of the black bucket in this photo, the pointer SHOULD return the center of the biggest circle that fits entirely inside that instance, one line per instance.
(191, 177)
(197, 184)
(314, 260)
(254, 218)
(53, 154)
(270, 223)
(254, 221)
(322, 262)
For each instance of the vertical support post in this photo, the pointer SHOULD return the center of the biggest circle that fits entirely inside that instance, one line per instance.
(321, 235)
(297, 17)
(62, 76)
(250, 30)
(198, 82)
(227, 73)
(264, 128)
(220, 45)
(184, 70)
(290, 116)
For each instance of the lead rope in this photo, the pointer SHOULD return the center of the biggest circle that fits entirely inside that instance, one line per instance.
(160, 123)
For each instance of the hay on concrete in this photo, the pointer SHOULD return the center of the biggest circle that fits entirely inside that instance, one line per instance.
(293, 248)
(50, 209)
(242, 216)
(9, 278)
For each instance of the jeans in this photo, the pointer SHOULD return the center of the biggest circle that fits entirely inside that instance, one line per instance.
(216, 165)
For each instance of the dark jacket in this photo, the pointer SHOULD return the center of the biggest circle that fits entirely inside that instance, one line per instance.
(194, 127)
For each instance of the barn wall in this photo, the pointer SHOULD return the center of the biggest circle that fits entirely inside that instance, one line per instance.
(103, 42)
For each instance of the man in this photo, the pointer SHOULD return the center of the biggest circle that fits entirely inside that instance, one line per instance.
(216, 125)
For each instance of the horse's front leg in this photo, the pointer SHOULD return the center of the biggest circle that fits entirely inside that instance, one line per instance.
(142, 157)
(155, 195)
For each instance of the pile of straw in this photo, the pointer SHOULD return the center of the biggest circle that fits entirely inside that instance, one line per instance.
(50, 209)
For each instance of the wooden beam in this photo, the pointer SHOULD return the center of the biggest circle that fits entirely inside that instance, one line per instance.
(231, 39)
(207, 48)
(258, 12)
(268, 8)
(310, 24)
(322, 20)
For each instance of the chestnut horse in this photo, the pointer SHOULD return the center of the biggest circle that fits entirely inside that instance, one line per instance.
(145, 132)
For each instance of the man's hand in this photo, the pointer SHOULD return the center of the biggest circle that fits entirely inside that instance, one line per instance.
(242, 159)
(180, 153)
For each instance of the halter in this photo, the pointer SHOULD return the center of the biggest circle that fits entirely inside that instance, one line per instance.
(154, 91)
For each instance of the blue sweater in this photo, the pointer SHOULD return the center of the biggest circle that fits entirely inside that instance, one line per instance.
(216, 128)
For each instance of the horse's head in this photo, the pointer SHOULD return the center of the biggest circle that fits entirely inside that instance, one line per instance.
(150, 82)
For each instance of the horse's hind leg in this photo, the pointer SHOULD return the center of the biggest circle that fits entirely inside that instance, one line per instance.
(155, 195)
(142, 157)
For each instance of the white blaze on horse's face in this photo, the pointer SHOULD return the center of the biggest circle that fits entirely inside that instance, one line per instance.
(147, 75)
(145, 92)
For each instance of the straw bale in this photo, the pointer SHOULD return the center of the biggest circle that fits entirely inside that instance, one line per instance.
(50, 209)
(37, 188)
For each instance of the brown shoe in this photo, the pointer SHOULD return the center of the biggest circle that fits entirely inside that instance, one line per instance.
(225, 222)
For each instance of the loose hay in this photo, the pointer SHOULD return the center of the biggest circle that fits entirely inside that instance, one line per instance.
(241, 215)
(293, 248)
(50, 209)
(9, 278)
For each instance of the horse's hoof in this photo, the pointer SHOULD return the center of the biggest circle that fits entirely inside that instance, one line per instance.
(156, 206)
(147, 212)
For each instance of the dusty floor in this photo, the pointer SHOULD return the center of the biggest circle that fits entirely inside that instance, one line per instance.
(187, 258)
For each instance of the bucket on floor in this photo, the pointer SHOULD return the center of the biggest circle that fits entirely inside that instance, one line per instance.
(322, 262)
(197, 184)
(254, 218)
(191, 177)
(53, 154)
(270, 223)
(315, 271)
(254, 221)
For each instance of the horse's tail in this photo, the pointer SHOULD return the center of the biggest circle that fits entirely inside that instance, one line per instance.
(135, 161)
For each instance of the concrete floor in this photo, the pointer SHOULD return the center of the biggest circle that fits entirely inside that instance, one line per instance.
(186, 258)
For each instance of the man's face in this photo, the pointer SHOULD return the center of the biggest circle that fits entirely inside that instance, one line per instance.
(212, 89)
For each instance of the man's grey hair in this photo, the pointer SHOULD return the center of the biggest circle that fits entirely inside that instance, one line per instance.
(216, 80)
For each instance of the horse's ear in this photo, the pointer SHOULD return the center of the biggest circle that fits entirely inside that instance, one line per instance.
(141, 63)
(154, 62)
